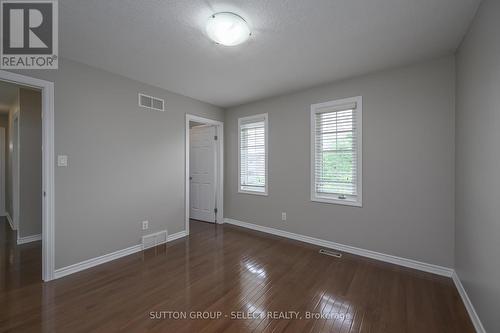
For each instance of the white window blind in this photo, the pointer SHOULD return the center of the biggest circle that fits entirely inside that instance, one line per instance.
(253, 154)
(336, 151)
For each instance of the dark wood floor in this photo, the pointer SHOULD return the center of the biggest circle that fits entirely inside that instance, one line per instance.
(226, 271)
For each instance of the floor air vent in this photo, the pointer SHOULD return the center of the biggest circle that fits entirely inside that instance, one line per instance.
(330, 253)
(152, 240)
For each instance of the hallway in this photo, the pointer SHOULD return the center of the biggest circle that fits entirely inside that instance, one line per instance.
(20, 265)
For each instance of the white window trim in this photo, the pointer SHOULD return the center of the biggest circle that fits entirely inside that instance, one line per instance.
(317, 108)
(266, 131)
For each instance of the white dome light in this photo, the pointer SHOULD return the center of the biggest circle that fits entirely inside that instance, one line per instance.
(227, 29)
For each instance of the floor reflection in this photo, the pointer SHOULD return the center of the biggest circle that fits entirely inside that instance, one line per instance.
(256, 269)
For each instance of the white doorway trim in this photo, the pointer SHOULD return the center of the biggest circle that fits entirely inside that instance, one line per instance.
(220, 166)
(15, 169)
(48, 198)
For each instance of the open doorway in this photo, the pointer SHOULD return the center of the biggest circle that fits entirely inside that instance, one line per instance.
(21, 198)
(27, 175)
(204, 170)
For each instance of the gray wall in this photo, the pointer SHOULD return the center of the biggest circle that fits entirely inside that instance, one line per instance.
(8, 169)
(126, 164)
(477, 161)
(30, 162)
(8, 161)
(408, 165)
(4, 123)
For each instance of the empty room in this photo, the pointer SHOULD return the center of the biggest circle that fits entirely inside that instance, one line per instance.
(250, 166)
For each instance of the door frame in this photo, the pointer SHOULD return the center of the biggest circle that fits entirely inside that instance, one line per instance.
(48, 158)
(219, 125)
(15, 169)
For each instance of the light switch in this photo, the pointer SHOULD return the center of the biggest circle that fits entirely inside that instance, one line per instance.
(62, 160)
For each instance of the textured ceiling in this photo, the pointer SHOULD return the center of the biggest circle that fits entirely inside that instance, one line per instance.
(295, 43)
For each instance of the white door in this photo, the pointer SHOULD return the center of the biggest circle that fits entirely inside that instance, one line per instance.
(202, 168)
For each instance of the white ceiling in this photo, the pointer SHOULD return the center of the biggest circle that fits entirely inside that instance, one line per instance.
(295, 43)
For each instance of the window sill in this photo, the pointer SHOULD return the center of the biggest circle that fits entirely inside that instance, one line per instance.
(264, 194)
(337, 201)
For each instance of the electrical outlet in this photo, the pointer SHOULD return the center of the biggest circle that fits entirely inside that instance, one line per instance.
(145, 225)
(283, 216)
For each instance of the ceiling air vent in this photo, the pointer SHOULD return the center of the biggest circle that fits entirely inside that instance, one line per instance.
(150, 102)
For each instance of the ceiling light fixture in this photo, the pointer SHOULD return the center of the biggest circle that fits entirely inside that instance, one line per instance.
(227, 29)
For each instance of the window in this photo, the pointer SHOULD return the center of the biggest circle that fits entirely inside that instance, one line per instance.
(336, 152)
(252, 166)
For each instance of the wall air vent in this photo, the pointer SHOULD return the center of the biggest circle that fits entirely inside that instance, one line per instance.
(152, 103)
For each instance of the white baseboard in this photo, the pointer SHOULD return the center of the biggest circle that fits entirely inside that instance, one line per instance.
(421, 266)
(7, 216)
(107, 257)
(29, 239)
(177, 235)
(468, 304)
(58, 273)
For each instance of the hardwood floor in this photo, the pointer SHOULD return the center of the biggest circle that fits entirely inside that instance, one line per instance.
(227, 271)
(19, 265)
